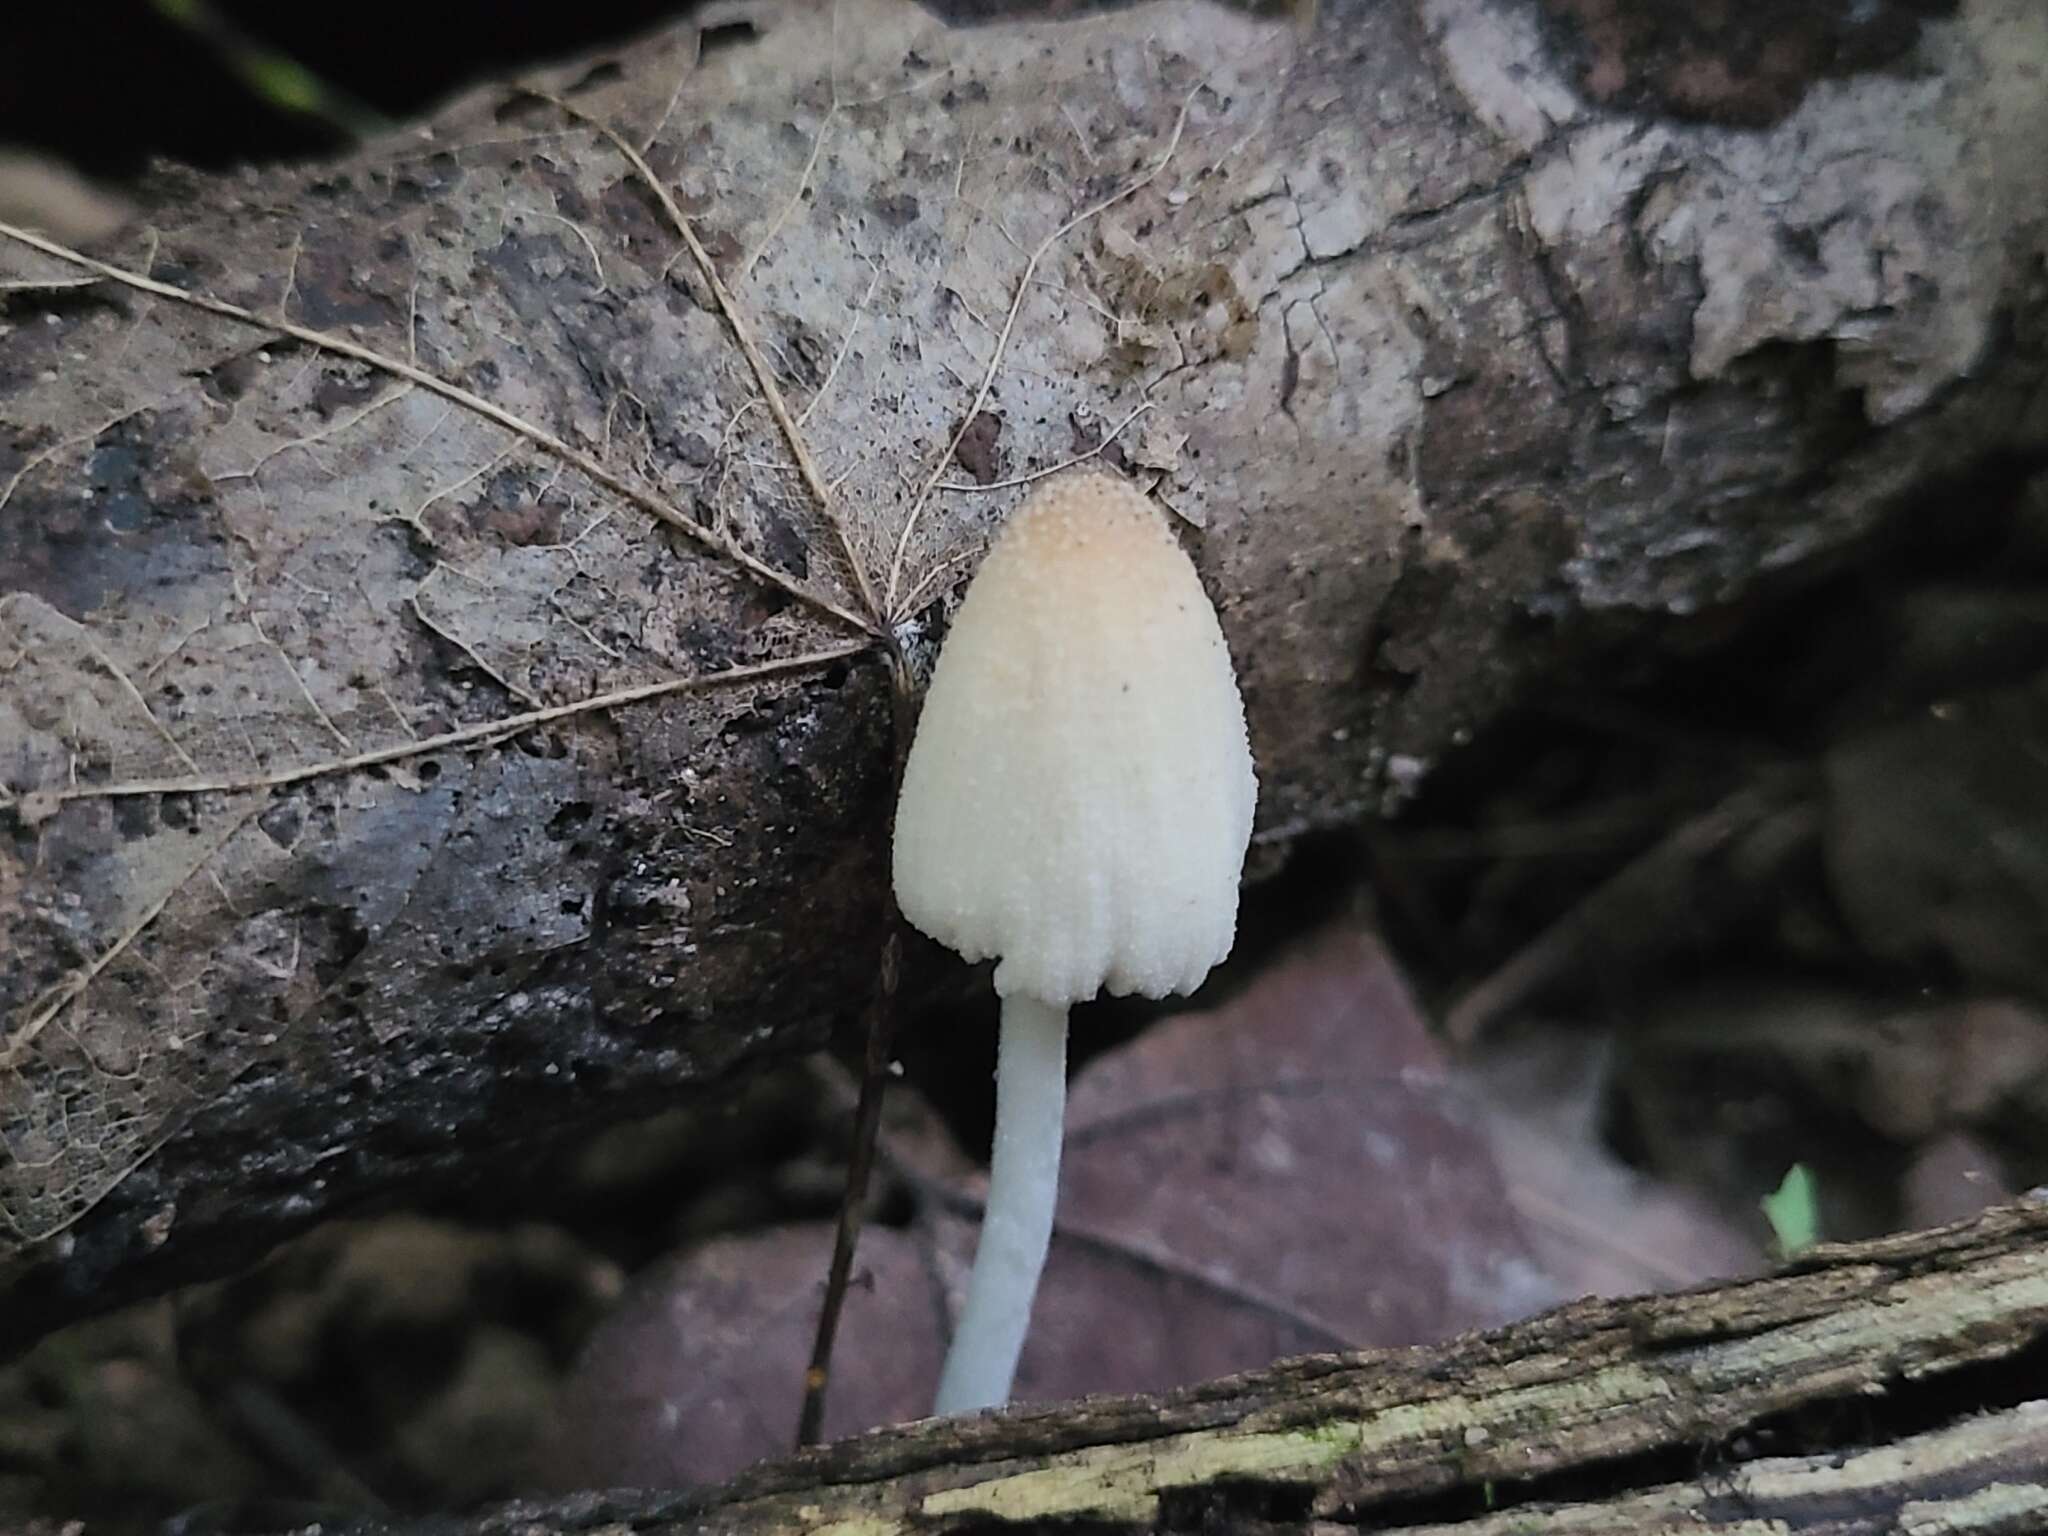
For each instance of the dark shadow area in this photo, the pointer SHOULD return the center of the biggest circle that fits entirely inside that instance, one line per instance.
(111, 84)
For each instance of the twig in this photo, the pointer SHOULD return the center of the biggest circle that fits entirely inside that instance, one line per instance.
(41, 456)
(1164, 1264)
(291, 276)
(44, 284)
(416, 520)
(1634, 890)
(933, 579)
(484, 731)
(276, 79)
(1081, 138)
(995, 360)
(675, 96)
(860, 1164)
(743, 334)
(595, 470)
(874, 1084)
(290, 1441)
(164, 656)
(832, 111)
(391, 704)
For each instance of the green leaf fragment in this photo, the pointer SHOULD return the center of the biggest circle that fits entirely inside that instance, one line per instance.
(1793, 1210)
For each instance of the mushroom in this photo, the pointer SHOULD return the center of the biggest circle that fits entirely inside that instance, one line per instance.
(1076, 804)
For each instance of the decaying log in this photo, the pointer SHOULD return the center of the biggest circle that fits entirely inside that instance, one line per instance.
(1891, 1386)
(390, 552)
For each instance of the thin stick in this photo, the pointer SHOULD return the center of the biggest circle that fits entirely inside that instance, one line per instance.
(1618, 902)
(874, 1084)
(483, 731)
(44, 284)
(860, 1164)
(995, 359)
(640, 496)
(743, 334)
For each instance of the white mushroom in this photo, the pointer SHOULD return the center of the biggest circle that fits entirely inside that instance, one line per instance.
(1076, 805)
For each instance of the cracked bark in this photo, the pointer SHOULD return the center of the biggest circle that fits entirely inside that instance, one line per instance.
(1877, 1387)
(1575, 373)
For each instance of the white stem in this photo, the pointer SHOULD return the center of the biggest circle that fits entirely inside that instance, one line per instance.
(1016, 1226)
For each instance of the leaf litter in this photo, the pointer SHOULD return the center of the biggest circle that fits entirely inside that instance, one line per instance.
(1296, 1170)
(1622, 1250)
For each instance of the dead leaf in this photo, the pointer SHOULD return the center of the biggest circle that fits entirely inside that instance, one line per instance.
(1291, 1172)
(700, 1370)
(1601, 1227)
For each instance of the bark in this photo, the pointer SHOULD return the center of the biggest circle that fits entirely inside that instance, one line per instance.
(1885, 1386)
(361, 823)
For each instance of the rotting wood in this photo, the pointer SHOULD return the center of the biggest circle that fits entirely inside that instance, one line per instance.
(1888, 1387)
(1471, 371)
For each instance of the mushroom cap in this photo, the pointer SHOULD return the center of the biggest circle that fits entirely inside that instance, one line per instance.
(1078, 798)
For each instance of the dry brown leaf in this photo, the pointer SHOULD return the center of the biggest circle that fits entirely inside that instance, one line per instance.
(700, 1370)
(1292, 1171)
(1601, 1227)
(1288, 1173)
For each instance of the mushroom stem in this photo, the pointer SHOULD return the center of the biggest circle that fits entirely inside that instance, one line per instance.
(1016, 1224)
